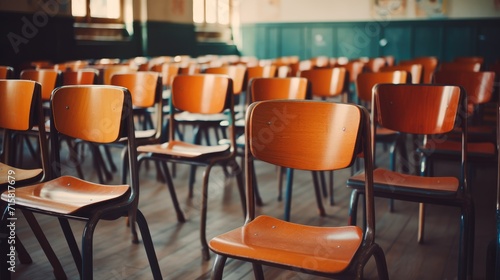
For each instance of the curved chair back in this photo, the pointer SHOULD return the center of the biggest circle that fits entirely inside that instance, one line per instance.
(168, 72)
(6, 72)
(374, 64)
(429, 65)
(278, 88)
(327, 82)
(144, 86)
(48, 78)
(235, 72)
(414, 70)
(470, 66)
(109, 70)
(366, 81)
(87, 76)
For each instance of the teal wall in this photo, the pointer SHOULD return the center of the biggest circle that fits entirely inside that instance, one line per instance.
(445, 39)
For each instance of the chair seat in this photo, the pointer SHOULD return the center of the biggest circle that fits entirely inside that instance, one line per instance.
(194, 117)
(141, 134)
(383, 179)
(382, 131)
(323, 249)
(19, 174)
(183, 149)
(65, 195)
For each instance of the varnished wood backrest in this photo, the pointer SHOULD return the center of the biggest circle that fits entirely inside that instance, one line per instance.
(278, 88)
(201, 93)
(415, 71)
(477, 85)
(326, 82)
(374, 64)
(429, 64)
(259, 71)
(109, 70)
(308, 135)
(366, 81)
(144, 86)
(471, 66)
(6, 72)
(479, 59)
(93, 113)
(86, 76)
(417, 109)
(354, 68)
(235, 72)
(168, 72)
(20, 110)
(18, 101)
(48, 78)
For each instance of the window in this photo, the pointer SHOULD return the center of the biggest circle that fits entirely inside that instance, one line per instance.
(102, 19)
(213, 20)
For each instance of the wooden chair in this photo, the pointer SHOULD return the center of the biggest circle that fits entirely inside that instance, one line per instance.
(265, 240)
(48, 78)
(429, 65)
(6, 72)
(207, 94)
(296, 88)
(428, 110)
(374, 64)
(20, 110)
(78, 112)
(353, 68)
(470, 66)
(107, 71)
(414, 70)
(87, 76)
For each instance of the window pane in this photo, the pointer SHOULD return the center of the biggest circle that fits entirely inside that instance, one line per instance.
(198, 11)
(211, 11)
(223, 12)
(105, 8)
(79, 8)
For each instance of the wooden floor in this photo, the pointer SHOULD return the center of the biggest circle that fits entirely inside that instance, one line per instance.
(178, 248)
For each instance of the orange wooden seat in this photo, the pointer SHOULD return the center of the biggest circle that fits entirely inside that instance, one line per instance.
(78, 112)
(423, 110)
(265, 240)
(429, 65)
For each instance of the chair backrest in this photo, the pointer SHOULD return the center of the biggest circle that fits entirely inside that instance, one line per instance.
(6, 72)
(429, 64)
(20, 110)
(48, 78)
(259, 71)
(97, 114)
(168, 72)
(366, 81)
(109, 70)
(308, 135)
(471, 66)
(374, 64)
(354, 68)
(479, 59)
(278, 88)
(326, 83)
(87, 76)
(144, 86)
(203, 94)
(415, 70)
(235, 72)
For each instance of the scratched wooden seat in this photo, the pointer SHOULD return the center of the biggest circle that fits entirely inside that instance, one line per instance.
(78, 112)
(269, 241)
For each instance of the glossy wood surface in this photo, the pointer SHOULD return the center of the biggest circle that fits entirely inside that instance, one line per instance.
(91, 113)
(49, 79)
(211, 89)
(326, 82)
(80, 77)
(429, 65)
(269, 134)
(6, 72)
(66, 194)
(168, 72)
(324, 249)
(142, 86)
(235, 72)
(470, 66)
(366, 81)
(415, 70)
(278, 88)
(418, 116)
(19, 175)
(16, 104)
(477, 85)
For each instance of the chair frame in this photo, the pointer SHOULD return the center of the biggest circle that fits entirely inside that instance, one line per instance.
(368, 247)
(461, 198)
(119, 207)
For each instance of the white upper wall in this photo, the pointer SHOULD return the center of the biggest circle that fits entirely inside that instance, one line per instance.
(254, 11)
